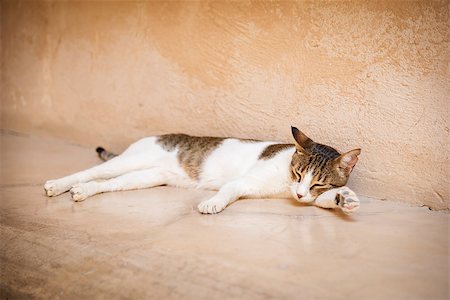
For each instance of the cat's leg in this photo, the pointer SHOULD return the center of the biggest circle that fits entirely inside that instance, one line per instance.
(112, 168)
(230, 192)
(342, 197)
(130, 181)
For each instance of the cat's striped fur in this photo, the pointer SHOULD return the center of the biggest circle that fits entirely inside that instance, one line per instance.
(307, 171)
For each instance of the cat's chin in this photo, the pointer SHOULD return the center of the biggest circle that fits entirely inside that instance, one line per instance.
(308, 200)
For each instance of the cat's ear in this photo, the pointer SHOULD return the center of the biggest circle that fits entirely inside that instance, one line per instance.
(348, 160)
(302, 142)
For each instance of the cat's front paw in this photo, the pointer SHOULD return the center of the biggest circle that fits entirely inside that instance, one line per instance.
(54, 188)
(212, 206)
(347, 201)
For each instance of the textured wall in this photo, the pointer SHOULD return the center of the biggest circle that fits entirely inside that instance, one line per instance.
(369, 74)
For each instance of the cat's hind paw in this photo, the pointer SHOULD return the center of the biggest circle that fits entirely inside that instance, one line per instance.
(54, 188)
(79, 192)
(347, 201)
(211, 206)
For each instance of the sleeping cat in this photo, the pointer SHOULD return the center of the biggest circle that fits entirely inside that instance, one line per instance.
(307, 171)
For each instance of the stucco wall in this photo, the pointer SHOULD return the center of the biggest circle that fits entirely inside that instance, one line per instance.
(369, 74)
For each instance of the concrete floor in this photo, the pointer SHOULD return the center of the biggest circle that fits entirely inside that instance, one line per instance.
(153, 243)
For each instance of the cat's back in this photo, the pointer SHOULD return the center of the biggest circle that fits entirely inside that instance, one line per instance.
(200, 155)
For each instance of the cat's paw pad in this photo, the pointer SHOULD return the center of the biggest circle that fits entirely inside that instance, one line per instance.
(211, 206)
(348, 201)
(53, 188)
(79, 192)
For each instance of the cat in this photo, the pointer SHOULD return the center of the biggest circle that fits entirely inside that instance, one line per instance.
(307, 171)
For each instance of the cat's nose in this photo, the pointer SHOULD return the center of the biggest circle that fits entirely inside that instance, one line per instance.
(300, 196)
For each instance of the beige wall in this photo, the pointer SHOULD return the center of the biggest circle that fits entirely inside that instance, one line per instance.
(369, 74)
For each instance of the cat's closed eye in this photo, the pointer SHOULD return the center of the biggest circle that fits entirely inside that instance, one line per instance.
(318, 185)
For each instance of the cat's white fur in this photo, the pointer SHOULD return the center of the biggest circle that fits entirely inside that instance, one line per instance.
(233, 168)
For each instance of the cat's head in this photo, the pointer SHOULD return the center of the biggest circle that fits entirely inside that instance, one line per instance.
(317, 168)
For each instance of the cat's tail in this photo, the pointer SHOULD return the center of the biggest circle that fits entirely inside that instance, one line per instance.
(105, 155)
